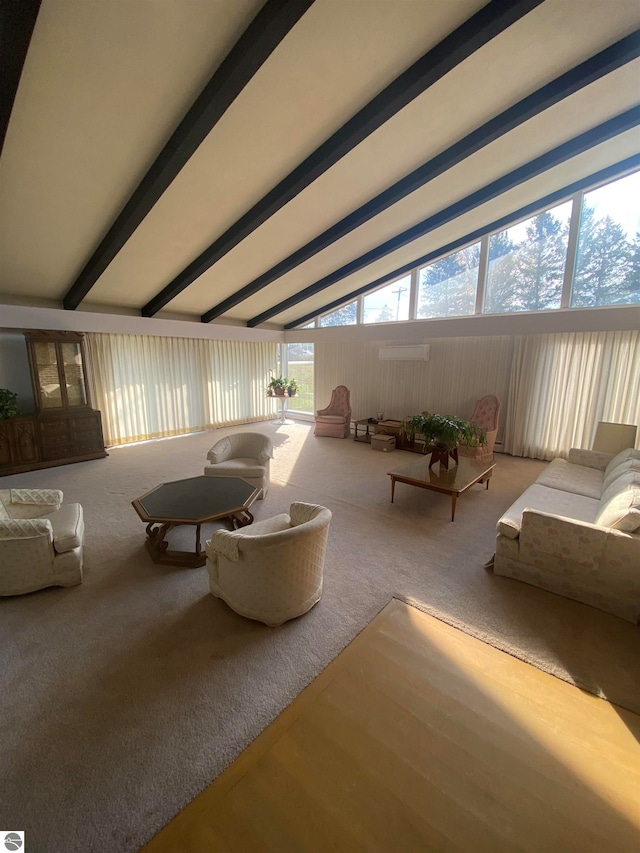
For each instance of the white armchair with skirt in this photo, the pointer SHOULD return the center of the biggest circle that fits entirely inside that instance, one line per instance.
(271, 570)
(41, 540)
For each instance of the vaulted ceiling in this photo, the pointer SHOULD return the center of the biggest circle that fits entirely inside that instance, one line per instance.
(251, 163)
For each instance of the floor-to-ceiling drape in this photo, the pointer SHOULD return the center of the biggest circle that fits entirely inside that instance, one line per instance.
(563, 384)
(148, 386)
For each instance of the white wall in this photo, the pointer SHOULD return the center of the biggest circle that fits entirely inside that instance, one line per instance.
(459, 371)
(14, 370)
(27, 317)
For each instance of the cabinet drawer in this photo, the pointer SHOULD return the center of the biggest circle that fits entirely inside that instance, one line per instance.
(88, 444)
(53, 427)
(87, 422)
(56, 451)
(56, 440)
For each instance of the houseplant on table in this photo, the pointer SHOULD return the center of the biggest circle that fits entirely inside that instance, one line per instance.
(277, 386)
(443, 433)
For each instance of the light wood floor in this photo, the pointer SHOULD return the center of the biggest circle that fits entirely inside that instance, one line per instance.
(419, 737)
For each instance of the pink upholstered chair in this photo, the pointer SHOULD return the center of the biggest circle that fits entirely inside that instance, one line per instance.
(335, 420)
(485, 415)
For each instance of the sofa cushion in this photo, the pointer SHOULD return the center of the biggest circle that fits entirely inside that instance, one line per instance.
(241, 466)
(550, 500)
(621, 510)
(563, 475)
(631, 465)
(623, 456)
(621, 483)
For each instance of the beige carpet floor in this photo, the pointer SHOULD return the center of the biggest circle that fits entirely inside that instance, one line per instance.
(122, 698)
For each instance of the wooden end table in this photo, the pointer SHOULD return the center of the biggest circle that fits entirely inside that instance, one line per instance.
(367, 423)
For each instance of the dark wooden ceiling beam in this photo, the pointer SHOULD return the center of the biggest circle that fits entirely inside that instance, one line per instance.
(560, 154)
(492, 19)
(498, 224)
(272, 23)
(582, 75)
(17, 22)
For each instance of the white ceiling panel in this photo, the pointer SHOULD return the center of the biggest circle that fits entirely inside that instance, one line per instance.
(105, 83)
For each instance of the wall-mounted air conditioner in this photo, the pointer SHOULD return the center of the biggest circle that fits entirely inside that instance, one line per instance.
(407, 352)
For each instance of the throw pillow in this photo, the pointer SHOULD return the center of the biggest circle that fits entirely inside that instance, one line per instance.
(619, 458)
(622, 511)
(630, 465)
(621, 483)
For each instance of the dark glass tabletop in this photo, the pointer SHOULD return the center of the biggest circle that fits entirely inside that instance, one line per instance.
(196, 499)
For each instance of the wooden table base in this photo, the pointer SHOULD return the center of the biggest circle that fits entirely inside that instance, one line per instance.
(158, 547)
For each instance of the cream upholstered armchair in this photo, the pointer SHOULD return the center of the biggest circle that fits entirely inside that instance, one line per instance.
(335, 420)
(246, 455)
(271, 570)
(486, 415)
(41, 540)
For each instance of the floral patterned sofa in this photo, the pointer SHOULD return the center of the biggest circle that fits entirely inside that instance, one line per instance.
(576, 531)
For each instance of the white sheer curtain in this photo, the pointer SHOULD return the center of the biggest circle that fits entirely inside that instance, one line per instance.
(563, 384)
(148, 386)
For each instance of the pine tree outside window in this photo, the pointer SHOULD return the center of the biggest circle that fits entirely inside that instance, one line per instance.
(526, 263)
(608, 264)
(448, 287)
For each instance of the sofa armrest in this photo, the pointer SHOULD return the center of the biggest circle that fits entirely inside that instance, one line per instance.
(26, 528)
(589, 458)
(562, 538)
(220, 451)
(68, 528)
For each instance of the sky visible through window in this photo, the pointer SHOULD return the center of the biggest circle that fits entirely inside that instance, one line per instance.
(388, 304)
(620, 201)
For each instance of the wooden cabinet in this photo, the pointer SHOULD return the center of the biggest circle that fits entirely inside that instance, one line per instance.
(19, 444)
(65, 428)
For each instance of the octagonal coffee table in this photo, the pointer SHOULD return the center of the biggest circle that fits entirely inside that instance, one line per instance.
(195, 501)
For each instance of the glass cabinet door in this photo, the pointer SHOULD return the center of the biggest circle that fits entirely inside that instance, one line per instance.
(57, 367)
(73, 374)
(47, 373)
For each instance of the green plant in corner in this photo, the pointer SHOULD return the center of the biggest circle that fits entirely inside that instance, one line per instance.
(8, 404)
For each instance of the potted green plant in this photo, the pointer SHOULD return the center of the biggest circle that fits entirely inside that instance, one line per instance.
(444, 433)
(292, 388)
(8, 404)
(407, 435)
(277, 386)
(449, 431)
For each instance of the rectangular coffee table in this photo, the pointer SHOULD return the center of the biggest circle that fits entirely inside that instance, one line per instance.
(195, 501)
(452, 481)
